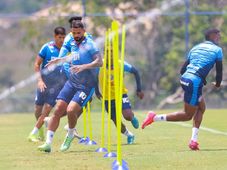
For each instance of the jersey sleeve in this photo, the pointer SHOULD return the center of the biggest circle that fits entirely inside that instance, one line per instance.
(127, 67)
(219, 55)
(65, 49)
(43, 51)
(92, 48)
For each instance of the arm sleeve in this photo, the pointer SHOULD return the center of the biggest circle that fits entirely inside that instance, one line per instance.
(43, 51)
(133, 70)
(218, 72)
(63, 52)
(183, 68)
(92, 48)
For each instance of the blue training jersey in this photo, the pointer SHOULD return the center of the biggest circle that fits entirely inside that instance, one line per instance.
(65, 51)
(202, 58)
(127, 67)
(48, 52)
(82, 54)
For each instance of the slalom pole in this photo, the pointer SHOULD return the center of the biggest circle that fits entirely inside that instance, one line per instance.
(109, 154)
(103, 70)
(91, 141)
(85, 138)
(120, 164)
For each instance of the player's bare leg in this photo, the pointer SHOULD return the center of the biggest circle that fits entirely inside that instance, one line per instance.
(74, 111)
(129, 116)
(197, 119)
(59, 112)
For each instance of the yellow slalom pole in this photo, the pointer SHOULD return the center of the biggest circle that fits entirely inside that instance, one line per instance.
(119, 158)
(89, 120)
(104, 89)
(109, 89)
(84, 121)
(117, 89)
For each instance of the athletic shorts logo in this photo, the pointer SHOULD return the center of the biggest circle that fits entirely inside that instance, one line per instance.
(82, 95)
(184, 83)
(125, 100)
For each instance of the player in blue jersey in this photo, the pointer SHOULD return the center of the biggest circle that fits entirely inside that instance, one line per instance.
(49, 83)
(200, 61)
(66, 65)
(85, 59)
(69, 37)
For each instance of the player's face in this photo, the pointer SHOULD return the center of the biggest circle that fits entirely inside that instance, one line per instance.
(78, 33)
(59, 39)
(215, 37)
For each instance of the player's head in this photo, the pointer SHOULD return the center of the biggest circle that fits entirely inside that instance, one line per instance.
(78, 30)
(59, 35)
(75, 18)
(212, 34)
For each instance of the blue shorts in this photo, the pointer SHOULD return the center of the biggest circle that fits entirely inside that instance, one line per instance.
(192, 86)
(125, 105)
(51, 92)
(71, 93)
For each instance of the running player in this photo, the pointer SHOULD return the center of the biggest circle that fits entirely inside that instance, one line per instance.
(85, 60)
(126, 106)
(49, 83)
(200, 61)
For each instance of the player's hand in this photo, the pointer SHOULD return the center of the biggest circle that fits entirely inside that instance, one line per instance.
(215, 85)
(51, 63)
(78, 68)
(41, 85)
(140, 94)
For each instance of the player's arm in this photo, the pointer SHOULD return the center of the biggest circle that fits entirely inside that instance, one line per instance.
(38, 61)
(219, 68)
(219, 73)
(134, 71)
(97, 62)
(183, 68)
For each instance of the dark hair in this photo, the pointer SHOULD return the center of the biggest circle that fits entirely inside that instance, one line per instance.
(75, 18)
(77, 24)
(59, 30)
(210, 31)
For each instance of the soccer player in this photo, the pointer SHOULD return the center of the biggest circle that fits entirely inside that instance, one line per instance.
(69, 37)
(49, 84)
(200, 61)
(85, 60)
(126, 106)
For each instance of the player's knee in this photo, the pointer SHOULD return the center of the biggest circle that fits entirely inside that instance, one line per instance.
(188, 116)
(70, 111)
(202, 109)
(59, 111)
(128, 117)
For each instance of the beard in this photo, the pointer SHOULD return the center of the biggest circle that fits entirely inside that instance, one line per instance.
(79, 39)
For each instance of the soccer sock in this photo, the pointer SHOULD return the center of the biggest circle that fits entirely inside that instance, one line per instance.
(128, 133)
(50, 136)
(195, 132)
(35, 131)
(161, 117)
(71, 132)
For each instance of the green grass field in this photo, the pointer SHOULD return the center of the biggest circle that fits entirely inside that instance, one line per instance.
(162, 146)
